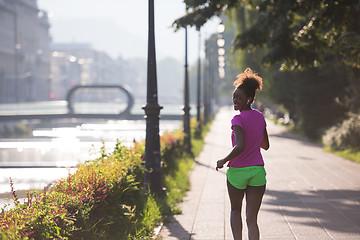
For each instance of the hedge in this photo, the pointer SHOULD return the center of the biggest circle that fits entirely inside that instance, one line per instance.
(103, 199)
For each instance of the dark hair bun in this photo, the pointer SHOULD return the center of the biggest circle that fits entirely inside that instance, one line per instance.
(249, 79)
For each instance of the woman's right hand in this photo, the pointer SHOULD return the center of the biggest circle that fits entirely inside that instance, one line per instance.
(220, 164)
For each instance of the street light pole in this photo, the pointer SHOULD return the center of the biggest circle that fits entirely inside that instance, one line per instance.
(207, 84)
(198, 117)
(152, 175)
(187, 139)
(17, 53)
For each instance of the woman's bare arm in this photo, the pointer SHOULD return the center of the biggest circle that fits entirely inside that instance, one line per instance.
(265, 142)
(237, 149)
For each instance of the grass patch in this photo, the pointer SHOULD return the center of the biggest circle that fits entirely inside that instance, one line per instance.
(176, 186)
(198, 134)
(177, 182)
(348, 154)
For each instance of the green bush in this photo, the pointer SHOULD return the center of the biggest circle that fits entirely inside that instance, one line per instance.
(98, 199)
(103, 199)
(345, 135)
(15, 131)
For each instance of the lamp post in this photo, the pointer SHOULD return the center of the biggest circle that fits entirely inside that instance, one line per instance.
(206, 83)
(210, 81)
(198, 116)
(187, 139)
(17, 53)
(152, 175)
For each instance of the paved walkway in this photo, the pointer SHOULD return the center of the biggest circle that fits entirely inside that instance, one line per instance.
(310, 194)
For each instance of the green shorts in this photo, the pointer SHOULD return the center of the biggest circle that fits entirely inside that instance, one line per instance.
(248, 176)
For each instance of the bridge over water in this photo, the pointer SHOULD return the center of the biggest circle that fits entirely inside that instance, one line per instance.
(90, 101)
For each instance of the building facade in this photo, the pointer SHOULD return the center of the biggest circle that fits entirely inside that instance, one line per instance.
(79, 64)
(24, 52)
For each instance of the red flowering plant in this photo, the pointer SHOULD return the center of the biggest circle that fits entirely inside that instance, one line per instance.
(103, 199)
(78, 205)
(108, 190)
(171, 148)
(39, 217)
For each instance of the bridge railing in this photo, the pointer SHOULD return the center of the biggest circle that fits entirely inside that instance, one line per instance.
(125, 90)
(73, 107)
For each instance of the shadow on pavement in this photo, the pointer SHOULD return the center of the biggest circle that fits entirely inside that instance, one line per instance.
(336, 210)
(294, 136)
(214, 143)
(176, 230)
(211, 167)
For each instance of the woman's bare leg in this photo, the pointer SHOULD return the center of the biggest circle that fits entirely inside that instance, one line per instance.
(254, 197)
(236, 197)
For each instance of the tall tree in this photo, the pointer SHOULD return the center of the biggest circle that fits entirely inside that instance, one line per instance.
(320, 37)
(297, 33)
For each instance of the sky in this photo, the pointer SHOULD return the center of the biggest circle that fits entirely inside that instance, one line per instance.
(120, 27)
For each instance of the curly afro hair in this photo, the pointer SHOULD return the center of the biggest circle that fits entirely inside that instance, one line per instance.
(249, 81)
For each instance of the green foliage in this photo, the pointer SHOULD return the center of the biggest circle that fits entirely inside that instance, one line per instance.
(38, 218)
(199, 12)
(344, 136)
(150, 217)
(349, 154)
(97, 200)
(176, 185)
(198, 135)
(312, 96)
(352, 98)
(175, 170)
(297, 33)
(16, 131)
(104, 198)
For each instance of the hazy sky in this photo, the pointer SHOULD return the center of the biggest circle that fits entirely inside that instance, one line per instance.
(120, 27)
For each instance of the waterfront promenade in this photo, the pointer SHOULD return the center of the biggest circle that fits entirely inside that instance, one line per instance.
(311, 194)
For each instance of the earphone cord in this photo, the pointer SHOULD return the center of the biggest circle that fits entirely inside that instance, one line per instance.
(245, 104)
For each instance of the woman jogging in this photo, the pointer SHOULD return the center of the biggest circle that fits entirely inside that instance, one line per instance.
(246, 172)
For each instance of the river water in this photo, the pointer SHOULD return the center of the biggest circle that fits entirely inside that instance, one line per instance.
(50, 154)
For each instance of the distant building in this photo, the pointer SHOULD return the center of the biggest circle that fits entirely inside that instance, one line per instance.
(78, 64)
(24, 51)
